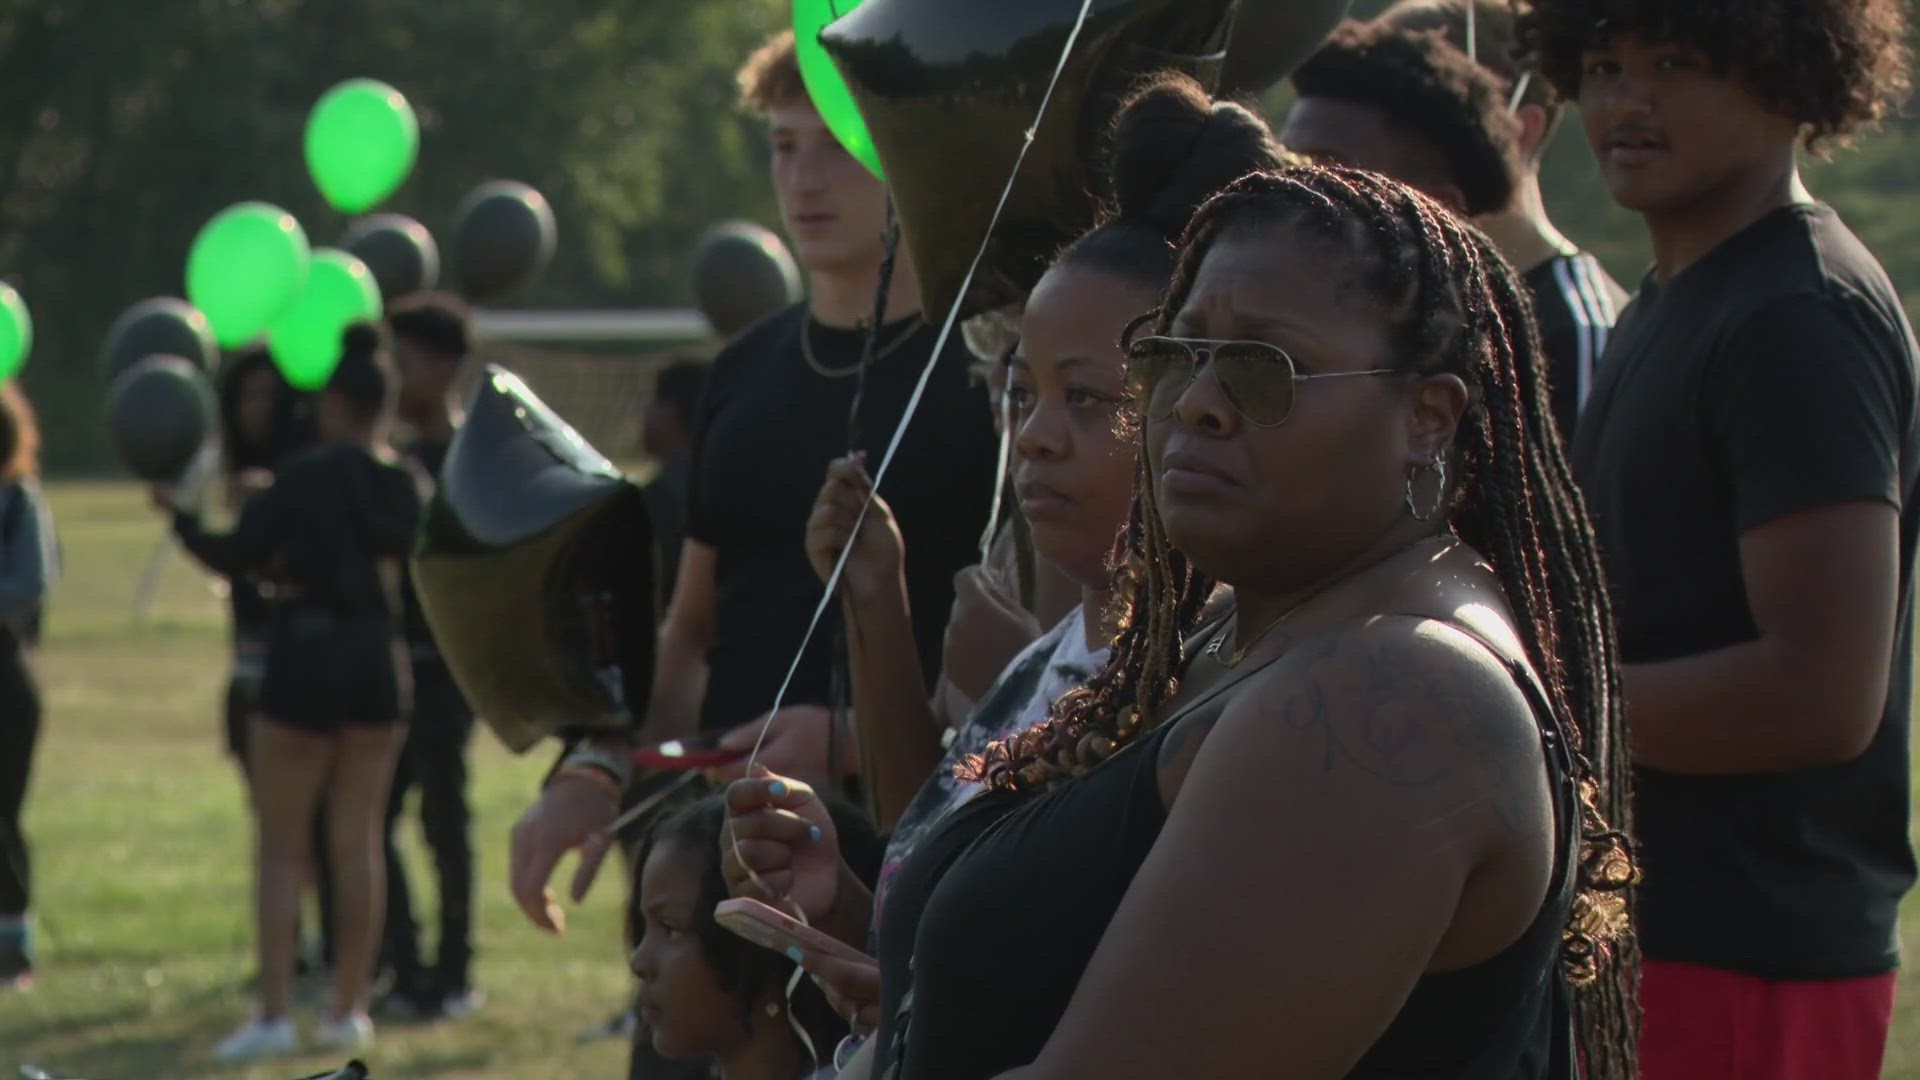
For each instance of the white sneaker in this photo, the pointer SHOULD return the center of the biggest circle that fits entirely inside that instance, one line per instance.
(259, 1039)
(353, 1032)
(462, 1003)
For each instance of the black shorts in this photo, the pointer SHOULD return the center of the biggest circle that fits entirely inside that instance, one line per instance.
(325, 673)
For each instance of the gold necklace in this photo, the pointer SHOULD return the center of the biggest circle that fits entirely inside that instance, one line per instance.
(806, 349)
(1233, 659)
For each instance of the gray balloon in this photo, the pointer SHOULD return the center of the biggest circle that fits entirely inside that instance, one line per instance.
(160, 326)
(503, 236)
(398, 250)
(741, 274)
(159, 415)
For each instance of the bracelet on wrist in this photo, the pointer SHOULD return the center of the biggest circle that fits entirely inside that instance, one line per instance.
(617, 764)
(588, 772)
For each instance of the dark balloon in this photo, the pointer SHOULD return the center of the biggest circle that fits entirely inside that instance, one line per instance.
(948, 90)
(398, 250)
(161, 326)
(535, 571)
(1271, 38)
(503, 236)
(741, 274)
(159, 415)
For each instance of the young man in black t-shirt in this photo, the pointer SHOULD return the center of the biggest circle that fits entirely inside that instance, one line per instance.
(1399, 96)
(1750, 458)
(432, 337)
(779, 406)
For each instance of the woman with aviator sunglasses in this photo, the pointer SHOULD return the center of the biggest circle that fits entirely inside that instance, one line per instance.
(1354, 829)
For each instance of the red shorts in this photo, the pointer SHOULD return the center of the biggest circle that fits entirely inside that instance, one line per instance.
(1704, 1023)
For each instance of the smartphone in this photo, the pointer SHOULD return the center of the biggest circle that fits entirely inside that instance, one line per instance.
(771, 928)
(685, 754)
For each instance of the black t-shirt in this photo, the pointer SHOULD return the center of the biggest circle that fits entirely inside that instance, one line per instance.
(770, 425)
(1774, 375)
(666, 498)
(1576, 304)
(430, 455)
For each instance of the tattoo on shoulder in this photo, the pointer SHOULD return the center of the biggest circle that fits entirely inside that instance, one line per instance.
(1404, 717)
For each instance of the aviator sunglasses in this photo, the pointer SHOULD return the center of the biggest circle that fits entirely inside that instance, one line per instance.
(1260, 379)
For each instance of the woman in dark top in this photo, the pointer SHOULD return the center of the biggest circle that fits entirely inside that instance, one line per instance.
(263, 421)
(333, 531)
(1351, 830)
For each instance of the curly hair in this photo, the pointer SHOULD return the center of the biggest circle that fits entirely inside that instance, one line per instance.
(1834, 66)
(770, 79)
(1454, 306)
(1430, 91)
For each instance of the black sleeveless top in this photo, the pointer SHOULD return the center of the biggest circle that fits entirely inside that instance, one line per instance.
(992, 920)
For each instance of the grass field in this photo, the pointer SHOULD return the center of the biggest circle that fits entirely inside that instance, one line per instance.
(143, 874)
(142, 867)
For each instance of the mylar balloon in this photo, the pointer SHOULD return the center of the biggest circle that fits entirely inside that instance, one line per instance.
(305, 339)
(361, 142)
(824, 84)
(159, 414)
(503, 235)
(398, 250)
(949, 90)
(158, 326)
(1271, 38)
(16, 332)
(526, 574)
(245, 267)
(741, 274)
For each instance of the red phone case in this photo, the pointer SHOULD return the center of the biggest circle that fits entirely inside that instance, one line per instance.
(771, 928)
(675, 754)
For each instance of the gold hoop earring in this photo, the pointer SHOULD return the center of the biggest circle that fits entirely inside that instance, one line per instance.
(1439, 468)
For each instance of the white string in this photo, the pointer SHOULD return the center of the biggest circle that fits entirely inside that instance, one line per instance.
(1004, 407)
(1473, 44)
(1520, 91)
(920, 388)
(886, 461)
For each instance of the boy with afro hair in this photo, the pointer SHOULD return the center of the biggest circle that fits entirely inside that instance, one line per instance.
(1750, 457)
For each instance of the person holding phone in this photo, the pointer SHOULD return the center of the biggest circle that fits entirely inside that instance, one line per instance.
(706, 992)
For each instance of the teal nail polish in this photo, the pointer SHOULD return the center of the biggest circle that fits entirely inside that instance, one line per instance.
(777, 789)
(794, 954)
(816, 833)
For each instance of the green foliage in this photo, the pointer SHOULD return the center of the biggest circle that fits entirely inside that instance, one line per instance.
(128, 125)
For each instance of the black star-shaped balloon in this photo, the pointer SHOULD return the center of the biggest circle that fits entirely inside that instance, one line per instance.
(948, 89)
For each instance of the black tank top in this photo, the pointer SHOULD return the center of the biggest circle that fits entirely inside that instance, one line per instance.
(991, 921)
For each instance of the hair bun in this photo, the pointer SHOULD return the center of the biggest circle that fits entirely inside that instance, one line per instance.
(1174, 147)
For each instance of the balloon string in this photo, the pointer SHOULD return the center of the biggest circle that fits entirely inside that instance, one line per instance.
(1003, 407)
(1473, 43)
(919, 391)
(1519, 91)
(886, 462)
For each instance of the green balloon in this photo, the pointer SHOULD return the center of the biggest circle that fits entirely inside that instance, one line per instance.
(16, 332)
(245, 267)
(824, 83)
(361, 143)
(305, 339)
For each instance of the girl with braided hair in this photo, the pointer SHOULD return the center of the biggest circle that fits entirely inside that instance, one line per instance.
(1368, 824)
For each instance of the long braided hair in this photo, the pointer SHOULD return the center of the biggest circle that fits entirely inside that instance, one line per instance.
(1455, 306)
